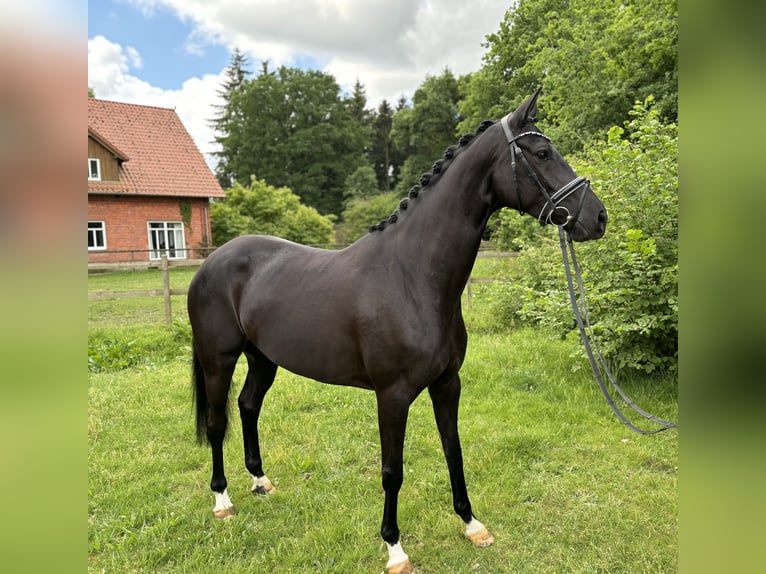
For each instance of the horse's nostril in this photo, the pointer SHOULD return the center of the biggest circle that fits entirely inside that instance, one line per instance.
(602, 219)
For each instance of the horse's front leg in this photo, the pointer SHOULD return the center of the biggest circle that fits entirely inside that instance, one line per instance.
(392, 423)
(445, 396)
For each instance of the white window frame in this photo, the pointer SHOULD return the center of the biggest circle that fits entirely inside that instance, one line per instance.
(166, 238)
(93, 236)
(94, 175)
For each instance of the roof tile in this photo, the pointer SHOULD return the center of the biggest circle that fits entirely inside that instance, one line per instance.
(162, 157)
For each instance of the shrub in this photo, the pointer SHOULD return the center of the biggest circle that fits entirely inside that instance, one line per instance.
(264, 209)
(631, 274)
(361, 184)
(512, 231)
(361, 213)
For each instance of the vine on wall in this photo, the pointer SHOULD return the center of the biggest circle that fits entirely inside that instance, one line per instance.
(185, 208)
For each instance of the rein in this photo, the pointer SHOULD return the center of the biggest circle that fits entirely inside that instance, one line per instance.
(582, 322)
(553, 201)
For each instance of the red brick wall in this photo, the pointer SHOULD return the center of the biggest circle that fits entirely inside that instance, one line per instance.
(126, 220)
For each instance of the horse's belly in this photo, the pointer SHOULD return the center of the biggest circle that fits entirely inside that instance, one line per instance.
(312, 344)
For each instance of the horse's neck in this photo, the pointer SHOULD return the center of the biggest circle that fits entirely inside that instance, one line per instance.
(447, 221)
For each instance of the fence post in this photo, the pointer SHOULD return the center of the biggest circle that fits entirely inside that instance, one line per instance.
(166, 288)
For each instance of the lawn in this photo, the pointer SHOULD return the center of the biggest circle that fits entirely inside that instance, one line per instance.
(559, 482)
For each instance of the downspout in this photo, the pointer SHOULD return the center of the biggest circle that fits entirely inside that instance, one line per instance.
(207, 228)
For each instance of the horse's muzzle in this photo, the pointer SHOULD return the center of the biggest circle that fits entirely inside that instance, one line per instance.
(580, 231)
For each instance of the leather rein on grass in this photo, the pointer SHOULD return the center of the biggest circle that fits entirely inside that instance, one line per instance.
(583, 323)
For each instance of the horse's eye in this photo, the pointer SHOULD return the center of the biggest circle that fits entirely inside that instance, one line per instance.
(542, 154)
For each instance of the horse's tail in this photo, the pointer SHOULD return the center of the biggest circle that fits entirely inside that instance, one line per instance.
(199, 396)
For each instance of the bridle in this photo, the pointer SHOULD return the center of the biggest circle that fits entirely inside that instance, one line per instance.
(553, 201)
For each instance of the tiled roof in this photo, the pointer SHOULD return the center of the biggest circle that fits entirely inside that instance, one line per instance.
(161, 157)
(103, 141)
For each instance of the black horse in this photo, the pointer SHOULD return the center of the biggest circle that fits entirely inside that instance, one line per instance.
(382, 314)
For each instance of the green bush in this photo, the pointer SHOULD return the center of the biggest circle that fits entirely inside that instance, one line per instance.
(361, 184)
(512, 231)
(631, 274)
(361, 213)
(264, 209)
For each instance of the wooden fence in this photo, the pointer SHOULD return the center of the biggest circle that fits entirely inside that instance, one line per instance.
(166, 292)
(471, 280)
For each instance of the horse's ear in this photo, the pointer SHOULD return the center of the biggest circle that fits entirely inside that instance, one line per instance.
(527, 112)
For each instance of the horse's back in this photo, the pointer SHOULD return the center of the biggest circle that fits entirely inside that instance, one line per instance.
(244, 259)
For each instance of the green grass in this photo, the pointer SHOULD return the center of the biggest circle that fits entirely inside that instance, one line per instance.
(138, 311)
(560, 483)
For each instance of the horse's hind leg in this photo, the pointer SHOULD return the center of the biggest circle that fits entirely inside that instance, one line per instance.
(260, 376)
(445, 397)
(217, 384)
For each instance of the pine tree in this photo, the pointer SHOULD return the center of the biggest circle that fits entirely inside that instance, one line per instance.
(235, 77)
(381, 155)
(357, 103)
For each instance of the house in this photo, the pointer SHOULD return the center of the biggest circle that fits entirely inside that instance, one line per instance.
(149, 188)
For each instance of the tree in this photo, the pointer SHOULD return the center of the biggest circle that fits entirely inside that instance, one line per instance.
(382, 153)
(235, 75)
(263, 209)
(293, 130)
(361, 184)
(356, 104)
(425, 130)
(593, 58)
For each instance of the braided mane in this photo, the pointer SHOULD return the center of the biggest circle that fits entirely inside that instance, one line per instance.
(428, 178)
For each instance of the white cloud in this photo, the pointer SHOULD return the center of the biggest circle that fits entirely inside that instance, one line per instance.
(388, 45)
(147, 7)
(109, 67)
(133, 57)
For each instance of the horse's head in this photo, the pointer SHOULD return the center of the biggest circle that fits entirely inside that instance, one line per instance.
(537, 180)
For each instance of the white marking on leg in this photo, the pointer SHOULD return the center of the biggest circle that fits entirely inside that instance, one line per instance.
(396, 555)
(222, 501)
(474, 527)
(262, 485)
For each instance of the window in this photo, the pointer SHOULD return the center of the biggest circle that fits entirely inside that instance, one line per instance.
(96, 236)
(94, 169)
(166, 238)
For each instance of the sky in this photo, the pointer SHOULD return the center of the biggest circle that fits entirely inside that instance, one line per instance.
(172, 53)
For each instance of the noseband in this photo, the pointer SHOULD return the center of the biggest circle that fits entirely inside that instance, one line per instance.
(553, 200)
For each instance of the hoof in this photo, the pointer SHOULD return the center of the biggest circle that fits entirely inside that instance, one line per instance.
(482, 538)
(263, 486)
(224, 513)
(403, 568)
